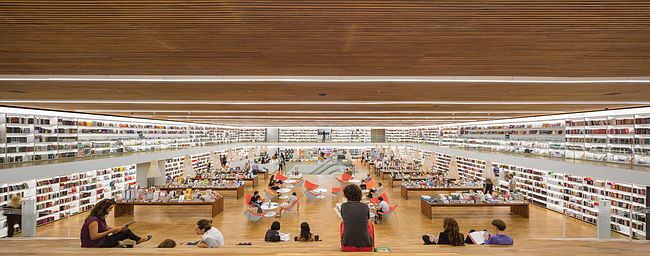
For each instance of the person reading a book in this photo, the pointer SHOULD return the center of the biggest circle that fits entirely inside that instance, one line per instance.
(256, 201)
(498, 237)
(450, 235)
(273, 234)
(377, 190)
(305, 234)
(95, 233)
(381, 208)
(211, 237)
(356, 233)
(364, 181)
(292, 199)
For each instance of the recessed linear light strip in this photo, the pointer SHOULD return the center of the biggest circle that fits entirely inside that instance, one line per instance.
(315, 111)
(329, 102)
(322, 117)
(327, 79)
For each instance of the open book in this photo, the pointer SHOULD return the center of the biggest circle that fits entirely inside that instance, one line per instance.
(478, 237)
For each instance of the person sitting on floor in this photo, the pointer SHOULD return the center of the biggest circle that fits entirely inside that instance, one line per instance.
(95, 233)
(273, 234)
(256, 201)
(167, 243)
(450, 235)
(381, 208)
(305, 234)
(356, 233)
(498, 237)
(292, 199)
(211, 236)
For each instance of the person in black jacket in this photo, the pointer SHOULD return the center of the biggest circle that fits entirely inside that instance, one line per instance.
(450, 235)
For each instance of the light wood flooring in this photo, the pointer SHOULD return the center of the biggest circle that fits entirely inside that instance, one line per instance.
(401, 234)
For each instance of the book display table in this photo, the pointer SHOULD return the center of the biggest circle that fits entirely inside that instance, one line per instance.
(405, 189)
(386, 173)
(516, 208)
(253, 180)
(126, 208)
(238, 189)
(391, 180)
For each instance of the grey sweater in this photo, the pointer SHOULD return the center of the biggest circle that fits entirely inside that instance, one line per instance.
(355, 218)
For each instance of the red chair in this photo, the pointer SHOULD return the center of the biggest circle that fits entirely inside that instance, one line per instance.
(370, 184)
(290, 207)
(270, 194)
(341, 181)
(253, 216)
(375, 200)
(311, 195)
(310, 186)
(371, 231)
(345, 176)
(390, 212)
(280, 177)
(337, 191)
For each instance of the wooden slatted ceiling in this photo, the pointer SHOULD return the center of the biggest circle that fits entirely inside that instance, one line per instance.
(580, 38)
(539, 38)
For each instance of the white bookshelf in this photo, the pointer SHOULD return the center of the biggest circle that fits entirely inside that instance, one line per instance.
(575, 196)
(298, 135)
(252, 135)
(398, 135)
(360, 135)
(60, 196)
(50, 135)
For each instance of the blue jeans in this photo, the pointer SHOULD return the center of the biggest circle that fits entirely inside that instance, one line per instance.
(259, 207)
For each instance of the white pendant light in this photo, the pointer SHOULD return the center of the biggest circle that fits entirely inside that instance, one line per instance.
(188, 171)
(154, 170)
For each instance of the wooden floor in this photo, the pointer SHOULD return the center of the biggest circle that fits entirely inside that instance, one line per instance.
(401, 234)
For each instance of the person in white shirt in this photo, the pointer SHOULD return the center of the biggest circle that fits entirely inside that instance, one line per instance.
(292, 199)
(212, 237)
(382, 208)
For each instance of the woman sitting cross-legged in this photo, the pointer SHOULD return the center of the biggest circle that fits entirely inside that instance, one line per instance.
(95, 233)
(450, 235)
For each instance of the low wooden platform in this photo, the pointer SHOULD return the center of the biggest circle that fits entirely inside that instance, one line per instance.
(521, 209)
(405, 191)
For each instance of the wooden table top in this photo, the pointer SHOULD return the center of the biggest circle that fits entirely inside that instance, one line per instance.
(183, 188)
(168, 203)
(443, 188)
